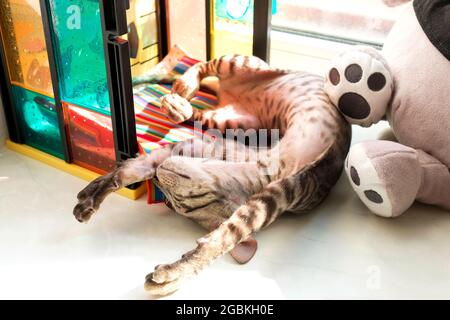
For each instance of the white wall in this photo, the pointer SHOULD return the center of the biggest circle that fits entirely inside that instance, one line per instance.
(3, 130)
(188, 26)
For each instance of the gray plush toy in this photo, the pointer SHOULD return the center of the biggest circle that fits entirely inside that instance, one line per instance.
(408, 83)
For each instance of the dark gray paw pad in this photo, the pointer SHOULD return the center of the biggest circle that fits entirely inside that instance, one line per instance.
(376, 81)
(354, 73)
(334, 76)
(354, 106)
(373, 196)
(355, 176)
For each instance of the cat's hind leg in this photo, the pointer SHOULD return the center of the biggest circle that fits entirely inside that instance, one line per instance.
(258, 212)
(243, 215)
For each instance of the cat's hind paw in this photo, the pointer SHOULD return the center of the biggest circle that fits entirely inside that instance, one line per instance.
(167, 278)
(166, 273)
(161, 288)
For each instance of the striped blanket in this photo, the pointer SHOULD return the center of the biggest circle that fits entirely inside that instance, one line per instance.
(154, 129)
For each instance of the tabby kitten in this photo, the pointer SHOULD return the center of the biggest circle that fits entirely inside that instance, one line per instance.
(232, 198)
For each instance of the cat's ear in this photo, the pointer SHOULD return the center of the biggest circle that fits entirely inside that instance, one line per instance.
(244, 251)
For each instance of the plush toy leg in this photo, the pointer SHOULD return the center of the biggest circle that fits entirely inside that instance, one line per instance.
(388, 177)
(435, 187)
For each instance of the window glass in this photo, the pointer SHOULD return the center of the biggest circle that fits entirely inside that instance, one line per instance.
(367, 21)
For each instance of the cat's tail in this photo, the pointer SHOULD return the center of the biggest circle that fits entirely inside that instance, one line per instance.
(297, 192)
(162, 72)
(152, 78)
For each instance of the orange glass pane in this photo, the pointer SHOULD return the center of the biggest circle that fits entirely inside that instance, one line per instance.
(24, 42)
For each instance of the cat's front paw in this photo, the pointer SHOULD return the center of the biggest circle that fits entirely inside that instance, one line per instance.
(84, 210)
(187, 86)
(176, 108)
(360, 85)
(90, 198)
(87, 204)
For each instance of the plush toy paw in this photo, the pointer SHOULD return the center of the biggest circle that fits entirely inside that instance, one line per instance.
(386, 176)
(359, 83)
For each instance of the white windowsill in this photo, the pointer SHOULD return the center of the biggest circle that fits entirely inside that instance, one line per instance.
(296, 52)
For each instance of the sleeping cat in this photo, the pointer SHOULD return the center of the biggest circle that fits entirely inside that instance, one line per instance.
(232, 198)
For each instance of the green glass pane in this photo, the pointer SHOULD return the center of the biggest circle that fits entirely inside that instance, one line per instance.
(235, 10)
(78, 41)
(38, 121)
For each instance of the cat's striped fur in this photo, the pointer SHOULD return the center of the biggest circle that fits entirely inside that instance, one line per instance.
(235, 199)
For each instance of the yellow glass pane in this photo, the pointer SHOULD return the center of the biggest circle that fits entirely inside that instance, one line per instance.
(232, 27)
(142, 35)
(24, 42)
(140, 69)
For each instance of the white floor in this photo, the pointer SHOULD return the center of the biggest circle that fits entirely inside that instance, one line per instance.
(337, 251)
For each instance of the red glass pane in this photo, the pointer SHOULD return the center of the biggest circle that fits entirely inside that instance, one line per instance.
(91, 139)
